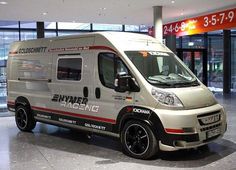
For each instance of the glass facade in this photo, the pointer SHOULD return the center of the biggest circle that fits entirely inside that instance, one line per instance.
(215, 62)
(107, 27)
(213, 43)
(28, 35)
(6, 38)
(73, 26)
(196, 41)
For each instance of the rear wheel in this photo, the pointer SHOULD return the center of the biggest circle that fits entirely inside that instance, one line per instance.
(24, 118)
(138, 140)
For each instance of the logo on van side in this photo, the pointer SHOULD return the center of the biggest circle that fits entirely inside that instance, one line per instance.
(32, 50)
(75, 102)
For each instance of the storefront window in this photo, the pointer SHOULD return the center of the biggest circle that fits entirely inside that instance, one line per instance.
(28, 25)
(111, 27)
(132, 28)
(49, 25)
(215, 62)
(27, 35)
(73, 26)
(6, 38)
(196, 41)
(233, 60)
(9, 24)
(48, 34)
(144, 28)
(64, 33)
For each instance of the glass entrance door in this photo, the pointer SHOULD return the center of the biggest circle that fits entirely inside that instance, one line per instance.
(196, 60)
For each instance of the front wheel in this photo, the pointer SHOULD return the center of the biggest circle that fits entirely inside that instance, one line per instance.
(24, 118)
(138, 140)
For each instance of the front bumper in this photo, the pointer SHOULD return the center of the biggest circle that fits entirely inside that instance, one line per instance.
(191, 128)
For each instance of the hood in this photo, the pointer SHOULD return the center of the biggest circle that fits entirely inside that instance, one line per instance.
(195, 97)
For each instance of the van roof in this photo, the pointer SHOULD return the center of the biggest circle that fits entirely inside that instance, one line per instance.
(121, 41)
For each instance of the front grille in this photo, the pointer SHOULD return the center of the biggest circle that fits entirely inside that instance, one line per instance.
(209, 118)
(210, 127)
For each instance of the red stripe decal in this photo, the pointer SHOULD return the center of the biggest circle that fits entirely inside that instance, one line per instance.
(101, 48)
(174, 130)
(101, 119)
(13, 52)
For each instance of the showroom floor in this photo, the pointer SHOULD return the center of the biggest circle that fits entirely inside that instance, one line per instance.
(50, 147)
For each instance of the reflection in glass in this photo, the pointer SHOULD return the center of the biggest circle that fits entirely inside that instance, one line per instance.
(233, 63)
(215, 63)
(73, 26)
(50, 25)
(111, 27)
(132, 28)
(28, 25)
(28, 35)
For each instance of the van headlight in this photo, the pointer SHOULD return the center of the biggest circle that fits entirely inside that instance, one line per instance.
(166, 98)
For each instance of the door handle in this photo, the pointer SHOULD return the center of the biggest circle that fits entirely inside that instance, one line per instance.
(98, 93)
(85, 91)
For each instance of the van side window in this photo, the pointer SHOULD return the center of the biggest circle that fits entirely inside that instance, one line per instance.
(69, 69)
(109, 66)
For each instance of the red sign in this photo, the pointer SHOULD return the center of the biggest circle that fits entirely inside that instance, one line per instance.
(211, 22)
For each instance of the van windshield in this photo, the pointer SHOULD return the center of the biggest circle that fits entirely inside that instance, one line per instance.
(161, 69)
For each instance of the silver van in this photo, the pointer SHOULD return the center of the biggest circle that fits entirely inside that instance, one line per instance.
(118, 84)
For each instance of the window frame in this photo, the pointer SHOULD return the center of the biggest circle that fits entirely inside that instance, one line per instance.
(69, 57)
(115, 59)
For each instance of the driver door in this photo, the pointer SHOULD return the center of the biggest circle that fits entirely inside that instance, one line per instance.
(109, 101)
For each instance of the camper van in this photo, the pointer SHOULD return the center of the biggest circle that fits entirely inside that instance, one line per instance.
(124, 85)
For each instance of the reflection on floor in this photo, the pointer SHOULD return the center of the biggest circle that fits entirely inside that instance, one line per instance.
(50, 147)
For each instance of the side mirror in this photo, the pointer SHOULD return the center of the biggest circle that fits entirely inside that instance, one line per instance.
(124, 82)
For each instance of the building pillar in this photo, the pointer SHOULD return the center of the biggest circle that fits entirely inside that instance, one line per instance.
(227, 61)
(157, 15)
(171, 42)
(40, 29)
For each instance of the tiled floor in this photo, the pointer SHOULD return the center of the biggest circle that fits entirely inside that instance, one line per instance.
(50, 147)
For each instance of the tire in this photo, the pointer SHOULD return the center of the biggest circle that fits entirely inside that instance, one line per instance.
(24, 118)
(138, 140)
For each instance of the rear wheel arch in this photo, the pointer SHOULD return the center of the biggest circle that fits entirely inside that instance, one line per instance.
(22, 101)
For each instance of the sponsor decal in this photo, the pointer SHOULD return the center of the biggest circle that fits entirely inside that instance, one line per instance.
(126, 98)
(32, 50)
(75, 102)
(137, 110)
(43, 116)
(67, 121)
(94, 126)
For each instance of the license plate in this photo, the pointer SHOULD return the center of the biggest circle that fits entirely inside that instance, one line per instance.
(213, 133)
(210, 119)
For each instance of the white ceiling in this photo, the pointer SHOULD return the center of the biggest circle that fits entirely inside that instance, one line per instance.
(107, 11)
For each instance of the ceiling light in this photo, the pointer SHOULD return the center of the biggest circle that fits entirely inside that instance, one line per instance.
(181, 13)
(3, 3)
(172, 1)
(103, 8)
(45, 13)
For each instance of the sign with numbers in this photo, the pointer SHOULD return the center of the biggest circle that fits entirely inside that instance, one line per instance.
(211, 22)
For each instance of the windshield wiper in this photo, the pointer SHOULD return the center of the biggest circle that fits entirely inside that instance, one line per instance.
(187, 84)
(157, 82)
